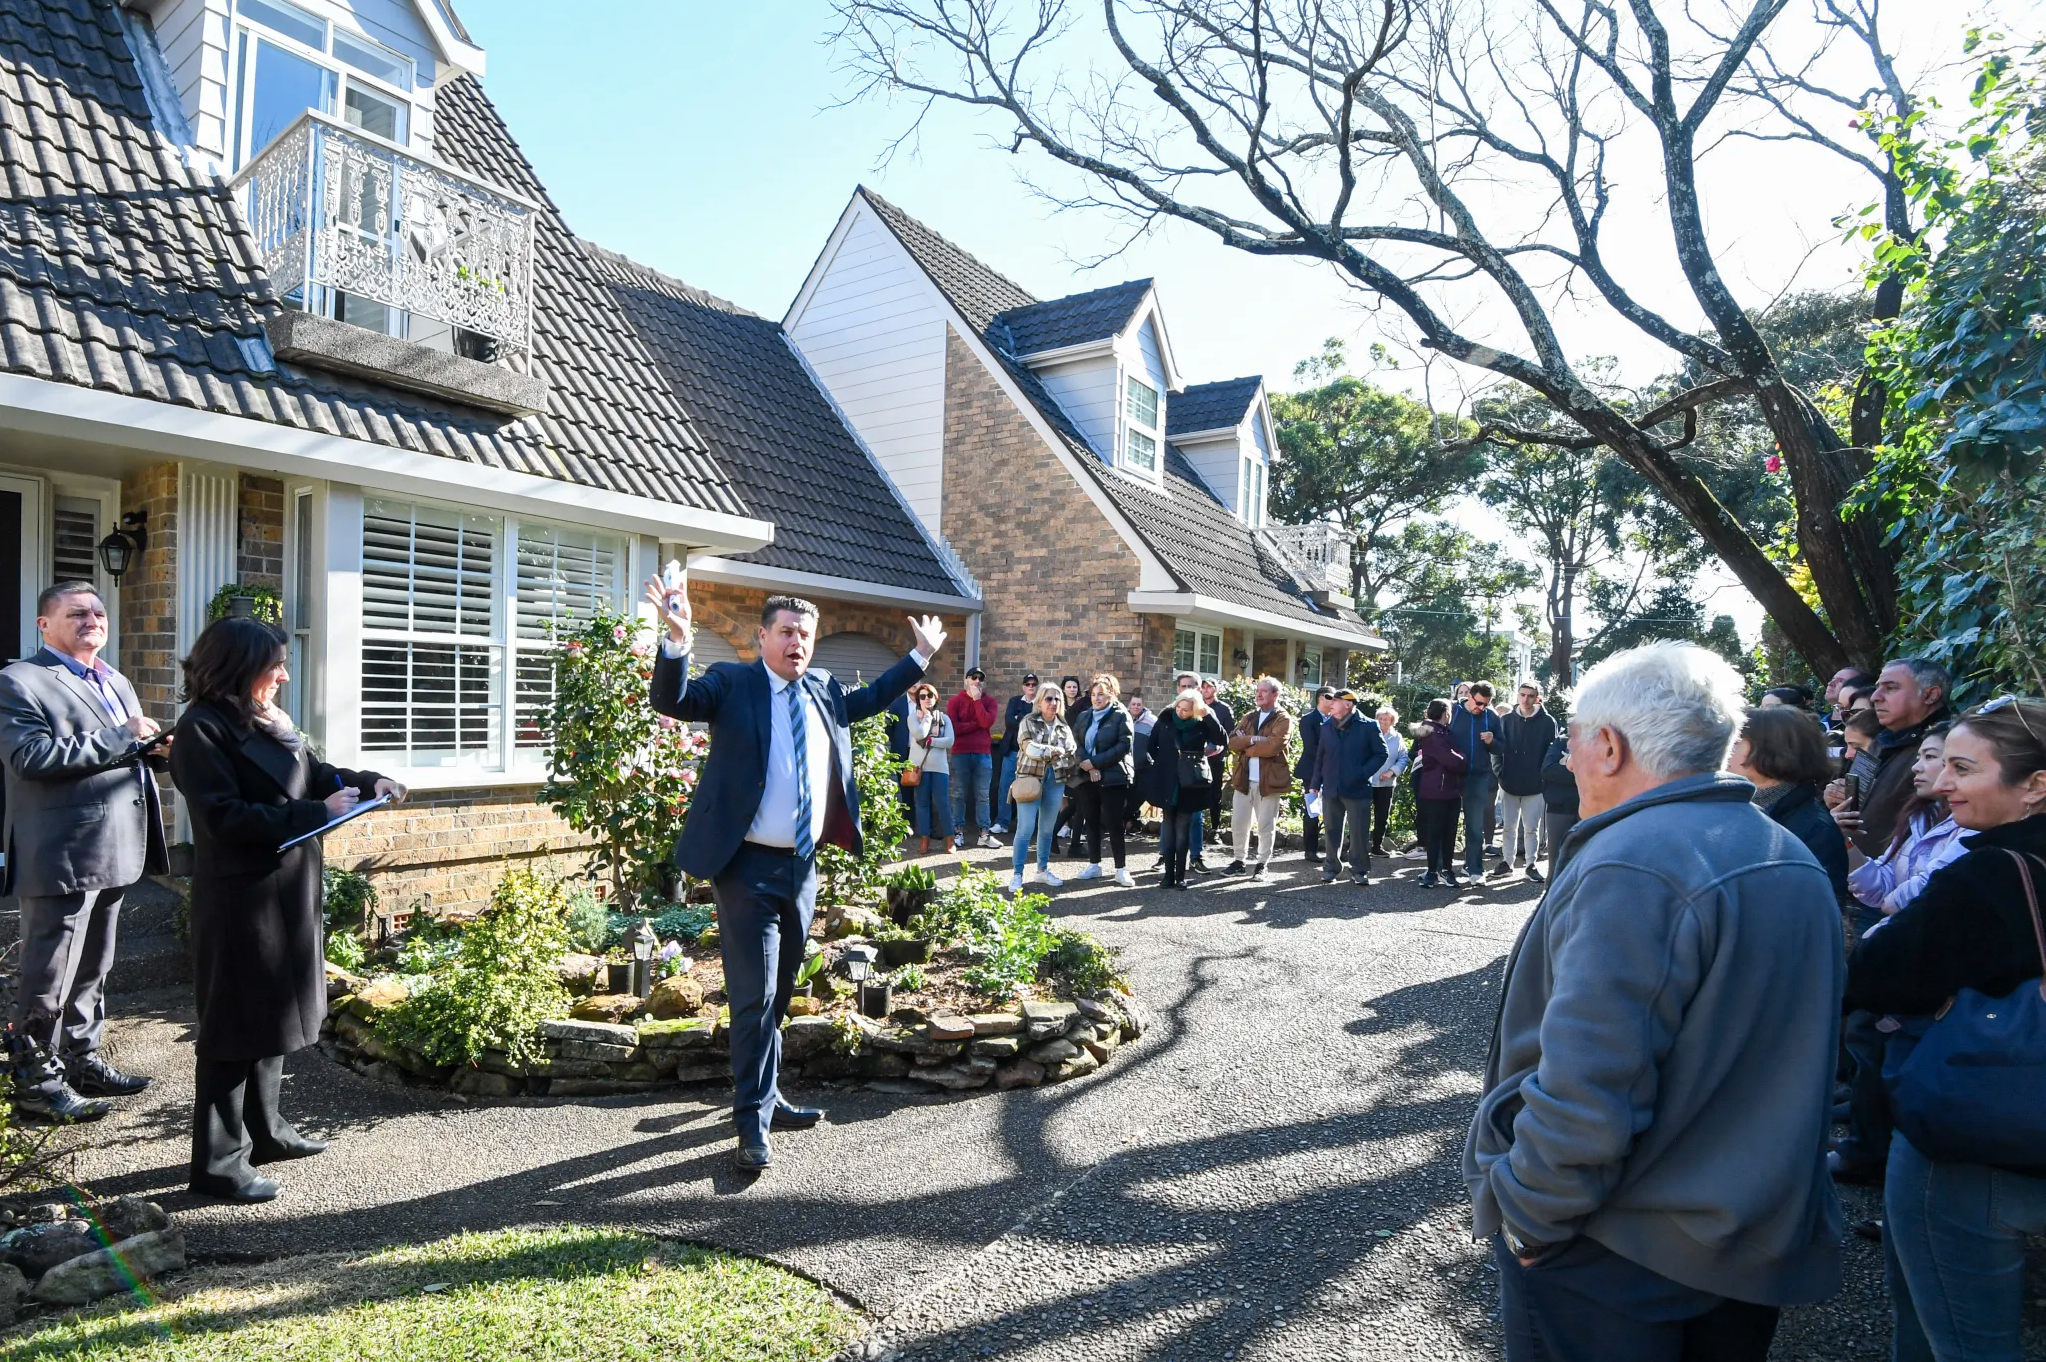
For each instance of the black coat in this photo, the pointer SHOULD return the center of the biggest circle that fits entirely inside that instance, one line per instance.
(1310, 744)
(1167, 742)
(1522, 749)
(1226, 717)
(1806, 819)
(257, 947)
(1559, 782)
(1114, 739)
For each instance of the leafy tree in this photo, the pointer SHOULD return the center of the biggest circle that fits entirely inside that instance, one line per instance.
(1369, 459)
(1443, 626)
(1669, 612)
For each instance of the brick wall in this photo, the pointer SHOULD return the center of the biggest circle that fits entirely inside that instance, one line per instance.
(149, 600)
(1269, 659)
(1054, 573)
(733, 614)
(449, 848)
(259, 554)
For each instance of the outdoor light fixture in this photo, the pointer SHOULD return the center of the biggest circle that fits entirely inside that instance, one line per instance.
(859, 962)
(1242, 660)
(117, 551)
(643, 947)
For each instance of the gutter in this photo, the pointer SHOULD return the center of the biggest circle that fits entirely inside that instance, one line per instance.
(713, 568)
(1182, 603)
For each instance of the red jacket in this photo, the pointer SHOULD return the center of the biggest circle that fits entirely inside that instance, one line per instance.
(972, 722)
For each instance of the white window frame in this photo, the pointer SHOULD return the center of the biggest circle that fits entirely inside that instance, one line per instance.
(1310, 666)
(1132, 426)
(1202, 636)
(242, 80)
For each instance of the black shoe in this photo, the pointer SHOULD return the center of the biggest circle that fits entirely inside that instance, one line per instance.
(1361, 881)
(1450, 881)
(1259, 872)
(1235, 868)
(787, 1117)
(1535, 875)
(299, 1148)
(1181, 884)
(1200, 867)
(752, 1158)
(1328, 877)
(1857, 1174)
(1500, 870)
(1429, 880)
(226, 1189)
(1868, 1229)
(61, 1105)
(94, 1077)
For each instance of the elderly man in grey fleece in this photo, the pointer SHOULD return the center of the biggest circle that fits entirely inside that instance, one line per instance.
(1648, 1159)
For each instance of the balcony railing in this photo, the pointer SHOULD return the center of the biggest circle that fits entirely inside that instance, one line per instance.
(1323, 549)
(334, 208)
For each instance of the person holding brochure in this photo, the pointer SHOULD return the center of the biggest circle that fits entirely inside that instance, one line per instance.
(250, 785)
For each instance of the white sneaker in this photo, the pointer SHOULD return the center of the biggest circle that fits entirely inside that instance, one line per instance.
(1092, 872)
(1045, 877)
(998, 830)
(987, 839)
(1122, 877)
(1016, 883)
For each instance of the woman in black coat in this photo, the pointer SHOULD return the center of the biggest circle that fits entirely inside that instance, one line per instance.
(1782, 751)
(1183, 780)
(250, 784)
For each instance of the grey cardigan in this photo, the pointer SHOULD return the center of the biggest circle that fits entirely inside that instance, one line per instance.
(932, 757)
(1661, 1071)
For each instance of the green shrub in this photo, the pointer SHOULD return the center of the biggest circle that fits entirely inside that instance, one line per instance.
(1006, 937)
(684, 921)
(910, 978)
(347, 899)
(344, 951)
(1084, 961)
(877, 773)
(588, 922)
(495, 985)
(913, 877)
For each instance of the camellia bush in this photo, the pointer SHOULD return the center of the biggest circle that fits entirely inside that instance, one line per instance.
(617, 771)
(844, 877)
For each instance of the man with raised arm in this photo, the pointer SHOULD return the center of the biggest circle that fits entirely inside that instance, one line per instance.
(778, 783)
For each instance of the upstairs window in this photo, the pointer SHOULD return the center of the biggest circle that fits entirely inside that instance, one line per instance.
(1140, 435)
(1250, 492)
(289, 60)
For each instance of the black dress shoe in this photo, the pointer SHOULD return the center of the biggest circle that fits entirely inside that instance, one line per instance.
(787, 1117)
(300, 1148)
(62, 1106)
(752, 1158)
(94, 1077)
(226, 1189)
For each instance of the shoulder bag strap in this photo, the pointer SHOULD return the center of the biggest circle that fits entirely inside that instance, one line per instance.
(2032, 902)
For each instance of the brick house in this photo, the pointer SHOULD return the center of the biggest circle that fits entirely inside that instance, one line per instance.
(282, 305)
(1113, 515)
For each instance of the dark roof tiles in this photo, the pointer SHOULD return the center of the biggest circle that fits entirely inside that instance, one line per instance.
(1073, 320)
(1210, 406)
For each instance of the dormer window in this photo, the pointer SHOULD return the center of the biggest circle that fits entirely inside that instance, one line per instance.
(1250, 491)
(1140, 435)
(289, 60)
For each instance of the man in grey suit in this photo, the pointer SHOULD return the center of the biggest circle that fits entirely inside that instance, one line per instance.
(83, 822)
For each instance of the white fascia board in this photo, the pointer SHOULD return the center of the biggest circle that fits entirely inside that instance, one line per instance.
(1211, 610)
(62, 411)
(713, 568)
(1066, 354)
(452, 49)
(1219, 435)
(1150, 307)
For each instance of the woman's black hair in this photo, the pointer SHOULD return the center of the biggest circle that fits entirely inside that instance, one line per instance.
(1788, 744)
(227, 659)
(1074, 681)
(1797, 697)
(1437, 711)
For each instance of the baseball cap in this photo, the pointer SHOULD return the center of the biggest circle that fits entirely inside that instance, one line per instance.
(975, 674)
(1325, 693)
(1030, 678)
(1345, 694)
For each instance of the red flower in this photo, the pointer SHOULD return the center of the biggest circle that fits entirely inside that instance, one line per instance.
(1774, 463)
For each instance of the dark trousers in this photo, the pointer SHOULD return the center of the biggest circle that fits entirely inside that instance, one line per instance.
(236, 1112)
(1381, 816)
(1175, 842)
(1478, 798)
(1555, 827)
(1866, 1150)
(1435, 821)
(67, 947)
(1310, 837)
(765, 902)
(1586, 1303)
(1356, 814)
(1102, 806)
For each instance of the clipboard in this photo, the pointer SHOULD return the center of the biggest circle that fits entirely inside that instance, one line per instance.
(358, 811)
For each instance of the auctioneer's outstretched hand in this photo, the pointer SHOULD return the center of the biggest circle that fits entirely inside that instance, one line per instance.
(658, 594)
(930, 634)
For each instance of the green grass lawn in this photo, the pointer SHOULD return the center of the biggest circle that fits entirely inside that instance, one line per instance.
(579, 1295)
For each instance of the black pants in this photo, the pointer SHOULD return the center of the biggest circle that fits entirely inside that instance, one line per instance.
(1435, 820)
(236, 1113)
(1310, 837)
(1175, 842)
(1866, 1150)
(1586, 1303)
(1381, 815)
(1102, 806)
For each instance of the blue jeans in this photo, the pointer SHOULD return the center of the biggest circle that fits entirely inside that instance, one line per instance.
(1035, 820)
(970, 774)
(934, 805)
(1585, 1303)
(1005, 807)
(1477, 805)
(1954, 1250)
(765, 902)
(1194, 837)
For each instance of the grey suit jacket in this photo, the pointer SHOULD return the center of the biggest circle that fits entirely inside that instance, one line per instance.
(78, 817)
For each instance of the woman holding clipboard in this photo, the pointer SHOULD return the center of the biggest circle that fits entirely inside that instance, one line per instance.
(251, 785)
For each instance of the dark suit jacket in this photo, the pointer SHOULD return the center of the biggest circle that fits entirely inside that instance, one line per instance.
(78, 817)
(734, 698)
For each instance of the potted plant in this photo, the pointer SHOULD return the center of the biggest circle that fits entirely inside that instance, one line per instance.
(904, 950)
(910, 891)
(812, 966)
(237, 600)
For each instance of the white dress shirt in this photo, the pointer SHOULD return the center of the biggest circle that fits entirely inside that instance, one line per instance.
(1257, 728)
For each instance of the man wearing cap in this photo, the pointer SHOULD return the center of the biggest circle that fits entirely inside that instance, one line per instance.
(1303, 769)
(972, 712)
(1019, 708)
(1350, 753)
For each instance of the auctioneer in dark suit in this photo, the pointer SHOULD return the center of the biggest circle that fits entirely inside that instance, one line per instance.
(83, 822)
(258, 950)
(744, 835)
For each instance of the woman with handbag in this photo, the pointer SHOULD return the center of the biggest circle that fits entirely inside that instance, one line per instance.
(1186, 781)
(1045, 753)
(929, 769)
(1967, 1166)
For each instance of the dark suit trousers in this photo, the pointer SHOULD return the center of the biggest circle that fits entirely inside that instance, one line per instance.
(765, 903)
(67, 947)
(237, 1111)
(1586, 1303)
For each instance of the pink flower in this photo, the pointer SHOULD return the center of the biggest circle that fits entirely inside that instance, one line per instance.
(689, 779)
(639, 648)
(1774, 463)
(618, 633)
(575, 648)
(667, 722)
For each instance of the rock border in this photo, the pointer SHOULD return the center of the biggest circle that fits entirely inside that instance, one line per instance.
(1036, 1042)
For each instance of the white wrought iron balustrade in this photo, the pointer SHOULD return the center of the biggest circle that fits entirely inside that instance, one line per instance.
(333, 207)
(1322, 548)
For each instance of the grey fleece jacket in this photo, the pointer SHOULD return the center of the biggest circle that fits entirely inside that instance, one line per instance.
(1661, 1072)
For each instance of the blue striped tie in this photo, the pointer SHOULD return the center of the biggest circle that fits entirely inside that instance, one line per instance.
(799, 739)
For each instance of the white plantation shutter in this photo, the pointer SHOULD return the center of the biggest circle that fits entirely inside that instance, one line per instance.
(432, 641)
(74, 549)
(563, 575)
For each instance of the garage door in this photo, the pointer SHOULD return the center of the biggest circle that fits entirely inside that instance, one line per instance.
(710, 647)
(854, 658)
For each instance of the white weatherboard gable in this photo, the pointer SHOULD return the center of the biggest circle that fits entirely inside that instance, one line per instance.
(1089, 392)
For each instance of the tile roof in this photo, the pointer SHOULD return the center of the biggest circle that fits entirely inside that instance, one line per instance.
(1072, 320)
(775, 433)
(122, 269)
(1198, 539)
(1210, 406)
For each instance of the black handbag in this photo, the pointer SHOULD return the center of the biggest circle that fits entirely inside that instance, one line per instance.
(1194, 772)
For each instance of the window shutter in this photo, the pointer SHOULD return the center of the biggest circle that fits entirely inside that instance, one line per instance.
(563, 576)
(73, 553)
(430, 692)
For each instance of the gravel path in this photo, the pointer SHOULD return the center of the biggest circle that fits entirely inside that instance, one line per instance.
(1270, 1174)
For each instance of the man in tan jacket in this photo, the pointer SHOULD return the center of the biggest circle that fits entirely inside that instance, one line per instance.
(1262, 778)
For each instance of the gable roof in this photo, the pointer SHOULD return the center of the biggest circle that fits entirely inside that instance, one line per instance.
(1210, 406)
(123, 270)
(1073, 320)
(775, 433)
(1191, 532)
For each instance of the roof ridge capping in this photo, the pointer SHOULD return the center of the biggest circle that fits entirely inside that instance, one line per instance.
(679, 288)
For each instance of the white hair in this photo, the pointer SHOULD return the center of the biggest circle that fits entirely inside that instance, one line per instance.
(1679, 706)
